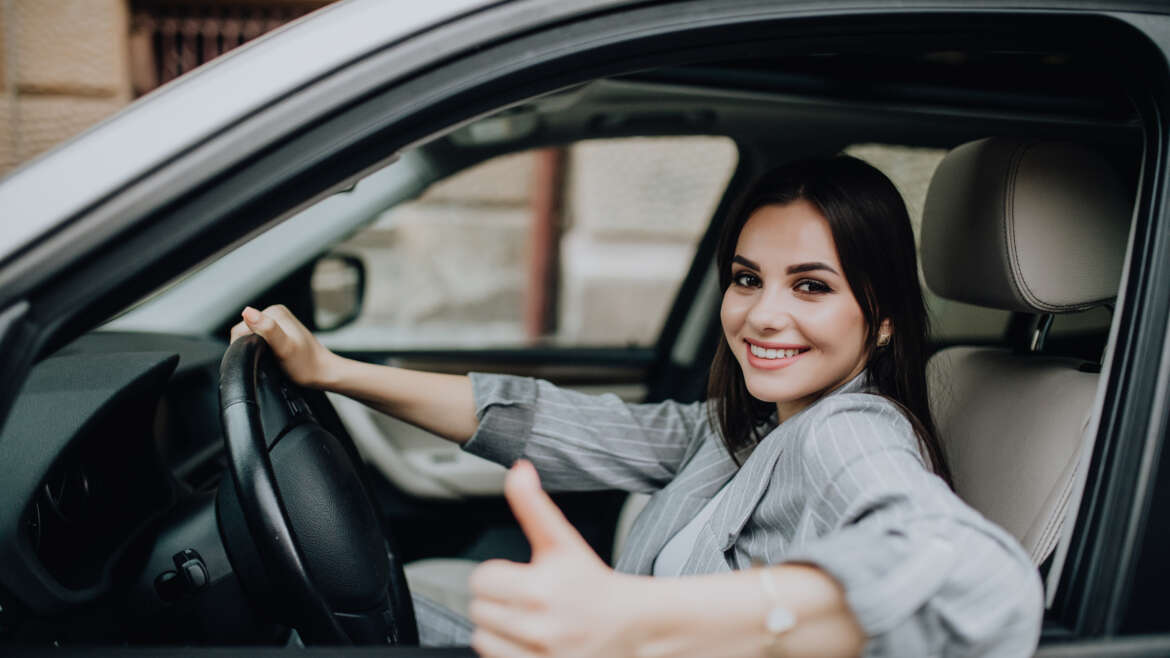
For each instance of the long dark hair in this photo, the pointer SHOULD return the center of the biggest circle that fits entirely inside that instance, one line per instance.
(868, 220)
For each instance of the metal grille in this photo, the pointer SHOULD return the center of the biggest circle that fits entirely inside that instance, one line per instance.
(168, 40)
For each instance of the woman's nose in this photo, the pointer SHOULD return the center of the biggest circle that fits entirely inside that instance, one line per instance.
(770, 314)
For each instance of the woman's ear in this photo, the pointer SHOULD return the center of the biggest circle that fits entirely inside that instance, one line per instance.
(885, 330)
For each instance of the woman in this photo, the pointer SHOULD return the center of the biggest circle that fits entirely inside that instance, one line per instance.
(808, 498)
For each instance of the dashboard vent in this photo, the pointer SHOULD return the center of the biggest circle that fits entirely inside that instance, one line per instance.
(67, 492)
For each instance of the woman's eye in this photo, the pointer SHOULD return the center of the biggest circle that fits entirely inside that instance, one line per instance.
(745, 279)
(812, 286)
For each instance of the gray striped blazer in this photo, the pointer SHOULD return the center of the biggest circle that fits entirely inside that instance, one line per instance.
(840, 485)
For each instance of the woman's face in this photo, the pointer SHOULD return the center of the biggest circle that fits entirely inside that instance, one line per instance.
(789, 316)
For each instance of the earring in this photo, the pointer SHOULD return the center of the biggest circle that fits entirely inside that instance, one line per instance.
(883, 339)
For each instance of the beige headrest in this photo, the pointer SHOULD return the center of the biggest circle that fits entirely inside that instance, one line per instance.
(1025, 226)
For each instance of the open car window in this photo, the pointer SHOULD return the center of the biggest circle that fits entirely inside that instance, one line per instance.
(577, 246)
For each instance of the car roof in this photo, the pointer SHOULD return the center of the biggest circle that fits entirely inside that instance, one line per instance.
(65, 182)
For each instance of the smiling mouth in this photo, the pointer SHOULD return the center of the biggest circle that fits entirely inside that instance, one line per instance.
(769, 353)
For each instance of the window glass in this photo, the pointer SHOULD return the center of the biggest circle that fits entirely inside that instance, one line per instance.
(910, 169)
(584, 245)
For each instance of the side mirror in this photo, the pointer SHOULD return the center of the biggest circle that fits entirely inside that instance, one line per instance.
(338, 284)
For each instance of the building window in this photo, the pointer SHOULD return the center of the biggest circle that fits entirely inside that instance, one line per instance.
(168, 39)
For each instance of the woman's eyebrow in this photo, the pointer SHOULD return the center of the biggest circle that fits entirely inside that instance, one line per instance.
(809, 267)
(745, 262)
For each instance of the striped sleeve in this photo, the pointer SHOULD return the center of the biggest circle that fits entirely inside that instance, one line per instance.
(582, 442)
(923, 573)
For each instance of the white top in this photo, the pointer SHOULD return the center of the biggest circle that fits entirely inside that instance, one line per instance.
(675, 553)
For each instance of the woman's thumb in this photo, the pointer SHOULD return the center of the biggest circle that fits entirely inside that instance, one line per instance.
(543, 522)
(265, 327)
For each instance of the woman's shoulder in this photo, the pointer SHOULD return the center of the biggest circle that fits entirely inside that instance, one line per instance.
(845, 427)
(857, 405)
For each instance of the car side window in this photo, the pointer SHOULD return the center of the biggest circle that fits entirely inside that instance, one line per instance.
(579, 246)
(910, 168)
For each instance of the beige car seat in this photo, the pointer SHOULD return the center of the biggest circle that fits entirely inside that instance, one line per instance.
(1038, 228)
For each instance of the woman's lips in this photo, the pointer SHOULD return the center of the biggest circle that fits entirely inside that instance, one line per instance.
(764, 363)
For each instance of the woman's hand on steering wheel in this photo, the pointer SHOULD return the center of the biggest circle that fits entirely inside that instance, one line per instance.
(302, 357)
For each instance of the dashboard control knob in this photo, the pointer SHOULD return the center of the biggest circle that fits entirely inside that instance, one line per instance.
(195, 573)
(191, 570)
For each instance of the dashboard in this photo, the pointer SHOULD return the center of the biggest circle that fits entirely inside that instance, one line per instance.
(107, 438)
(110, 464)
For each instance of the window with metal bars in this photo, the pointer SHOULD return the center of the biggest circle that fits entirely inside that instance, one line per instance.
(168, 39)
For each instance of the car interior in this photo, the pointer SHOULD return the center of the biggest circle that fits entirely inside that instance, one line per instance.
(117, 503)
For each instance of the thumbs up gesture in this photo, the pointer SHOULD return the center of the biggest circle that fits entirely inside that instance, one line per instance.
(565, 602)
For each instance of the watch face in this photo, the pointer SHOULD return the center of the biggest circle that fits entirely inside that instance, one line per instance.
(779, 620)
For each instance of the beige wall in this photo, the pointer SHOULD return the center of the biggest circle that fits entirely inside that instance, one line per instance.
(63, 66)
(66, 65)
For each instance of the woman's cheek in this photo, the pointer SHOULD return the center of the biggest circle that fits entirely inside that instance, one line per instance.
(734, 312)
(731, 316)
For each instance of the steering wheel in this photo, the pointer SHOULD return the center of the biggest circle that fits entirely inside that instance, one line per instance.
(298, 524)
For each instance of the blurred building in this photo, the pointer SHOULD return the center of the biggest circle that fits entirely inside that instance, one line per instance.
(67, 64)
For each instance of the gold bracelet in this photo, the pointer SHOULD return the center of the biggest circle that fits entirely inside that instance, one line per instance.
(779, 619)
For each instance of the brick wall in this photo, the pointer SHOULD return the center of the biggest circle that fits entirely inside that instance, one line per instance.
(63, 67)
(67, 64)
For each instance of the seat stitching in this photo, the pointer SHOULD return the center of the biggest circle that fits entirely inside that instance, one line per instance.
(1047, 539)
(1016, 279)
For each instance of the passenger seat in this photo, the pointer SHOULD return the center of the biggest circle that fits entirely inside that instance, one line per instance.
(1038, 228)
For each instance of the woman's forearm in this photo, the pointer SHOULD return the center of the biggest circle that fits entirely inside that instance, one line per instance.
(439, 403)
(566, 601)
(442, 404)
(724, 615)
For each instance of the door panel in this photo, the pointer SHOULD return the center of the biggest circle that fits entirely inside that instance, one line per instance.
(419, 463)
(427, 466)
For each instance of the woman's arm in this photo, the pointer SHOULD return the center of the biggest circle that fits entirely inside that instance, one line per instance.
(567, 602)
(441, 404)
(579, 441)
(923, 573)
(680, 619)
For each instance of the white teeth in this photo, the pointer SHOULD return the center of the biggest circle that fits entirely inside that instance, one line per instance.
(765, 353)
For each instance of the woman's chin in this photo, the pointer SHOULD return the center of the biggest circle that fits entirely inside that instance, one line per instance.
(772, 394)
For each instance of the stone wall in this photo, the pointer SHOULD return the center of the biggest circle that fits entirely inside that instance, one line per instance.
(67, 64)
(63, 67)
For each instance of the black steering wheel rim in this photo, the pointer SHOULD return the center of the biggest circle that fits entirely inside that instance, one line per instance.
(326, 554)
